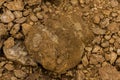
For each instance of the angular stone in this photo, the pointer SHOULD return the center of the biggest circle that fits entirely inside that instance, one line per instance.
(113, 57)
(96, 19)
(108, 72)
(118, 62)
(80, 75)
(7, 16)
(105, 44)
(20, 74)
(85, 61)
(95, 59)
(9, 67)
(98, 31)
(3, 30)
(114, 3)
(15, 5)
(25, 28)
(18, 53)
(113, 27)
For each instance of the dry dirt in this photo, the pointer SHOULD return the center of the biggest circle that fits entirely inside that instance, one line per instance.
(59, 39)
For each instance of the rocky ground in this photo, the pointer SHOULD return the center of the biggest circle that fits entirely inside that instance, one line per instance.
(30, 28)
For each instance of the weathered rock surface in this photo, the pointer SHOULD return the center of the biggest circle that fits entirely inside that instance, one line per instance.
(59, 45)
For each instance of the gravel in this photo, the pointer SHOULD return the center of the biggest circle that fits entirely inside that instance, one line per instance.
(95, 22)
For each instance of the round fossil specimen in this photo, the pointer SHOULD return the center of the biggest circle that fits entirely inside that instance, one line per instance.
(59, 45)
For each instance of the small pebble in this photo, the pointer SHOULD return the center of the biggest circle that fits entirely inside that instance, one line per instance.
(80, 66)
(7, 16)
(114, 3)
(13, 78)
(9, 42)
(18, 14)
(80, 75)
(118, 51)
(15, 29)
(26, 13)
(39, 15)
(96, 19)
(19, 35)
(74, 2)
(111, 49)
(109, 72)
(9, 67)
(2, 64)
(107, 37)
(38, 9)
(98, 31)
(20, 20)
(3, 30)
(1, 72)
(89, 49)
(85, 61)
(118, 62)
(111, 41)
(119, 33)
(81, 1)
(33, 18)
(114, 14)
(25, 28)
(96, 49)
(95, 59)
(118, 18)
(106, 12)
(105, 22)
(9, 26)
(20, 74)
(113, 27)
(107, 57)
(113, 57)
(105, 44)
